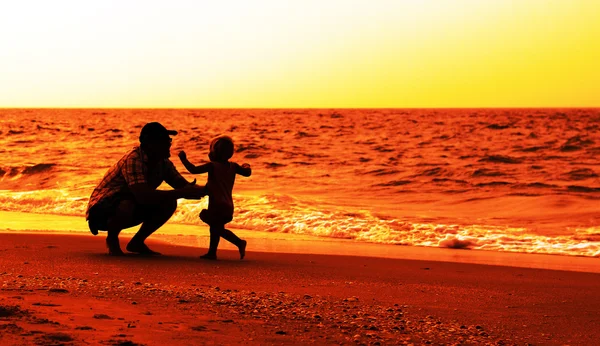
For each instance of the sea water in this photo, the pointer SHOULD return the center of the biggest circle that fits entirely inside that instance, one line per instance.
(521, 180)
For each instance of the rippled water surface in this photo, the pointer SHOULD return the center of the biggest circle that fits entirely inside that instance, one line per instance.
(521, 180)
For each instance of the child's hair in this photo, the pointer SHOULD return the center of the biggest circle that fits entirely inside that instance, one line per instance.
(221, 148)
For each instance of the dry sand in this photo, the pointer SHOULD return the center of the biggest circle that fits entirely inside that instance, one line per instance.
(64, 289)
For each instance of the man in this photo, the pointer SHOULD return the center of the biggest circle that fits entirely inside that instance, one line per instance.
(128, 195)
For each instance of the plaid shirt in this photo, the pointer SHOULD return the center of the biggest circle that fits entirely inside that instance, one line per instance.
(133, 169)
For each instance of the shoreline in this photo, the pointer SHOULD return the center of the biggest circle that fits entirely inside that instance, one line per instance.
(60, 287)
(197, 236)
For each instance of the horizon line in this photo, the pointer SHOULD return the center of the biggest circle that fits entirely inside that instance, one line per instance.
(468, 107)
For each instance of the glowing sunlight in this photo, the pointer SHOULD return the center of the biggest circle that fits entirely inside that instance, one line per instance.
(388, 53)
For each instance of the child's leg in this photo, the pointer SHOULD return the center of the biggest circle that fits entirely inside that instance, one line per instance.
(215, 236)
(230, 237)
(234, 239)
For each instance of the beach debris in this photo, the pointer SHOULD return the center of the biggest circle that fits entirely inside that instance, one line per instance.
(54, 338)
(58, 290)
(301, 315)
(45, 304)
(9, 311)
(102, 317)
(84, 328)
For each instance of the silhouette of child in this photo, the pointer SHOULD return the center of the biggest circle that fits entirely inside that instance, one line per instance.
(221, 177)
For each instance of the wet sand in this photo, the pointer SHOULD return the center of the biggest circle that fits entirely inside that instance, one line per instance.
(64, 289)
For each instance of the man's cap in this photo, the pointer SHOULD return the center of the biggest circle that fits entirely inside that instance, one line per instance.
(155, 130)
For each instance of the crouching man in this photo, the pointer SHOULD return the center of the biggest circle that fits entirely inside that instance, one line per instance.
(127, 195)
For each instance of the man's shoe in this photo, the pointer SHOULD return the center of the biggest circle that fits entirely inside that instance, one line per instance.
(142, 249)
(209, 256)
(114, 249)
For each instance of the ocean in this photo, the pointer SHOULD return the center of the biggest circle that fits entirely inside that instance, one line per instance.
(519, 180)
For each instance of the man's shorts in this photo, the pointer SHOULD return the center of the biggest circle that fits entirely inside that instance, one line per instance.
(106, 209)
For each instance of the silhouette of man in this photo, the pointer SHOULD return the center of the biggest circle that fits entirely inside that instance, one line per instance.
(127, 195)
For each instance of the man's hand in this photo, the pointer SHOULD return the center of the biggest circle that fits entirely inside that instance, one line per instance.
(193, 191)
(182, 155)
(246, 166)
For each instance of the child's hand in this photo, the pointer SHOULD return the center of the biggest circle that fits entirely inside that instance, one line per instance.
(182, 155)
(245, 165)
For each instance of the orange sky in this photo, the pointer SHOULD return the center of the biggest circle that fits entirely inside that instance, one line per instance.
(311, 53)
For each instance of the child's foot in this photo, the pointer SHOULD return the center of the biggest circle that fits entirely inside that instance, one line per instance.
(242, 249)
(209, 256)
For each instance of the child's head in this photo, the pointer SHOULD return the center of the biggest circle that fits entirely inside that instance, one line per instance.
(221, 148)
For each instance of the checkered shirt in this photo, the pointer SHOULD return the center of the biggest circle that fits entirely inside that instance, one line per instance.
(133, 169)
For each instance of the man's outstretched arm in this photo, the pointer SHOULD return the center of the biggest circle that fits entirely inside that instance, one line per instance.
(144, 194)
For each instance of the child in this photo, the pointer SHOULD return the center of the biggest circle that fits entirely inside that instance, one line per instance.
(221, 177)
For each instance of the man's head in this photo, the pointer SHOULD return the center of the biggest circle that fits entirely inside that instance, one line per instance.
(156, 141)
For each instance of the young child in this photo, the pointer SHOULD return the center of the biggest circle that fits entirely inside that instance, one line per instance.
(221, 177)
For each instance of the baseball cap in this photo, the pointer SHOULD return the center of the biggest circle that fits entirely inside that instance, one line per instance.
(155, 130)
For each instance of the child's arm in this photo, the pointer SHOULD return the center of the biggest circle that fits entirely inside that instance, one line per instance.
(190, 167)
(243, 170)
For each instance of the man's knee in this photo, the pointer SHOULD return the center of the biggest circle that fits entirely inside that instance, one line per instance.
(125, 209)
(124, 216)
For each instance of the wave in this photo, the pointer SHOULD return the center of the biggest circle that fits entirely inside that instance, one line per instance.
(501, 159)
(379, 172)
(580, 174)
(577, 188)
(286, 214)
(533, 149)
(433, 172)
(274, 165)
(493, 183)
(26, 170)
(499, 127)
(484, 172)
(302, 134)
(576, 143)
(539, 185)
(394, 183)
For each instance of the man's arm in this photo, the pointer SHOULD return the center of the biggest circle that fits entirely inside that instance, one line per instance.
(174, 178)
(145, 195)
(134, 172)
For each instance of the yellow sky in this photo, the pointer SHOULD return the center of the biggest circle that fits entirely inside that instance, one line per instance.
(310, 53)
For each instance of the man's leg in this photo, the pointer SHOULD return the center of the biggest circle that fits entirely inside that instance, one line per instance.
(152, 219)
(122, 218)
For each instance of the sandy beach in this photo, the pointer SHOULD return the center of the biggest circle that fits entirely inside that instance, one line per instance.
(63, 289)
